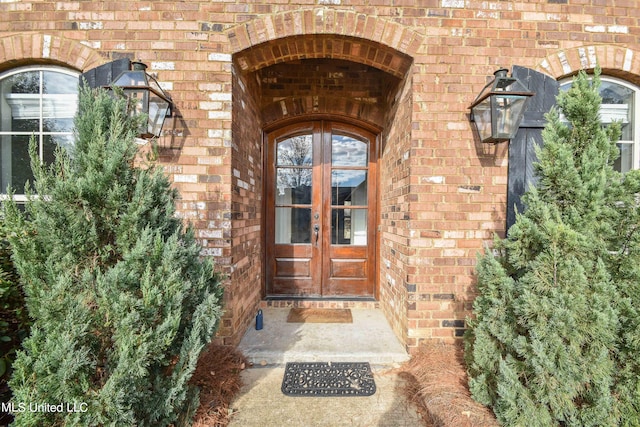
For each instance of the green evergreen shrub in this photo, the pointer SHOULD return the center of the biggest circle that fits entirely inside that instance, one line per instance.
(14, 319)
(624, 262)
(553, 333)
(122, 304)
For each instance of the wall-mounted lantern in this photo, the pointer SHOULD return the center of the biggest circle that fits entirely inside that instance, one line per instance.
(499, 108)
(146, 97)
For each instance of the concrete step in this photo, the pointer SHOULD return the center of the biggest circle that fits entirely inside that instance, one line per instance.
(368, 339)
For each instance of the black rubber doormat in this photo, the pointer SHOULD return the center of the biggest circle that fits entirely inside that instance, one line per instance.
(320, 379)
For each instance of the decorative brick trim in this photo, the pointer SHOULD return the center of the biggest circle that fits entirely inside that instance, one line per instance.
(305, 105)
(20, 48)
(324, 21)
(271, 39)
(614, 59)
(348, 48)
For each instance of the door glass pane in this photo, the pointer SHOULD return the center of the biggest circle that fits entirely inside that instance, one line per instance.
(348, 151)
(295, 151)
(293, 225)
(349, 227)
(349, 187)
(293, 186)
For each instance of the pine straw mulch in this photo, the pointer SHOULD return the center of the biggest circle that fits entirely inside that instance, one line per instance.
(436, 382)
(218, 376)
(435, 378)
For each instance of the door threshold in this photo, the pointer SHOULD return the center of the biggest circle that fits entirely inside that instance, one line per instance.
(290, 302)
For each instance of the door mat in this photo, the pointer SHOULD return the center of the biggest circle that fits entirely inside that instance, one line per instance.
(327, 379)
(319, 315)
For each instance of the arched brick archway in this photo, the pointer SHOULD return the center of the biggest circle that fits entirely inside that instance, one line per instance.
(323, 21)
(350, 48)
(20, 49)
(309, 53)
(359, 69)
(617, 61)
(376, 47)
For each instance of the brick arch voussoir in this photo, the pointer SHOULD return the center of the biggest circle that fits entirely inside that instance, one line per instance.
(291, 107)
(398, 43)
(29, 48)
(617, 61)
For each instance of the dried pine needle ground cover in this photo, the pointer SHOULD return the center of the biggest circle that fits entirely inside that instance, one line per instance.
(218, 376)
(437, 383)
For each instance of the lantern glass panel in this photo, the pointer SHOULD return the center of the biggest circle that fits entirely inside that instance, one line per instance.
(508, 115)
(138, 100)
(482, 117)
(506, 84)
(158, 109)
(131, 78)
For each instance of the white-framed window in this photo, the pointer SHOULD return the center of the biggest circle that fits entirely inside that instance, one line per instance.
(619, 100)
(38, 101)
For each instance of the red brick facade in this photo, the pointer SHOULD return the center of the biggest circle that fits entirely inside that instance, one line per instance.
(410, 68)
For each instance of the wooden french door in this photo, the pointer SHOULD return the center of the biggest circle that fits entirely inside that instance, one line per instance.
(320, 211)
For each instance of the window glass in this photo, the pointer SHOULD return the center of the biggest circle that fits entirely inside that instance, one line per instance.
(349, 227)
(294, 183)
(618, 105)
(35, 102)
(349, 187)
(348, 151)
(293, 225)
(295, 151)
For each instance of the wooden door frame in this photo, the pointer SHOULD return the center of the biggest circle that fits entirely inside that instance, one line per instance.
(291, 125)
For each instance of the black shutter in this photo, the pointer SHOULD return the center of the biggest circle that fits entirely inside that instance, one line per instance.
(521, 148)
(104, 74)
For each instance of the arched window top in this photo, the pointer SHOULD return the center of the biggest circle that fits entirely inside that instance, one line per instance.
(52, 70)
(40, 102)
(619, 103)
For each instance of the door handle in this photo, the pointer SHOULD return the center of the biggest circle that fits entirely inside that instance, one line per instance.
(316, 231)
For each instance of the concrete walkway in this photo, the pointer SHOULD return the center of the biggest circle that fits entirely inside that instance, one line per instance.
(368, 339)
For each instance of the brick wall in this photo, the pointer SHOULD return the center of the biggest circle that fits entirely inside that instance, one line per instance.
(396, 289)
(442, 193)
(245, 285)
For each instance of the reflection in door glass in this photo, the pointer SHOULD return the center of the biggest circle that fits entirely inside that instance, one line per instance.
(293, 186)
(349, 227)
(348, 151)
(295, 151)
(293, 225)
(349, 187)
